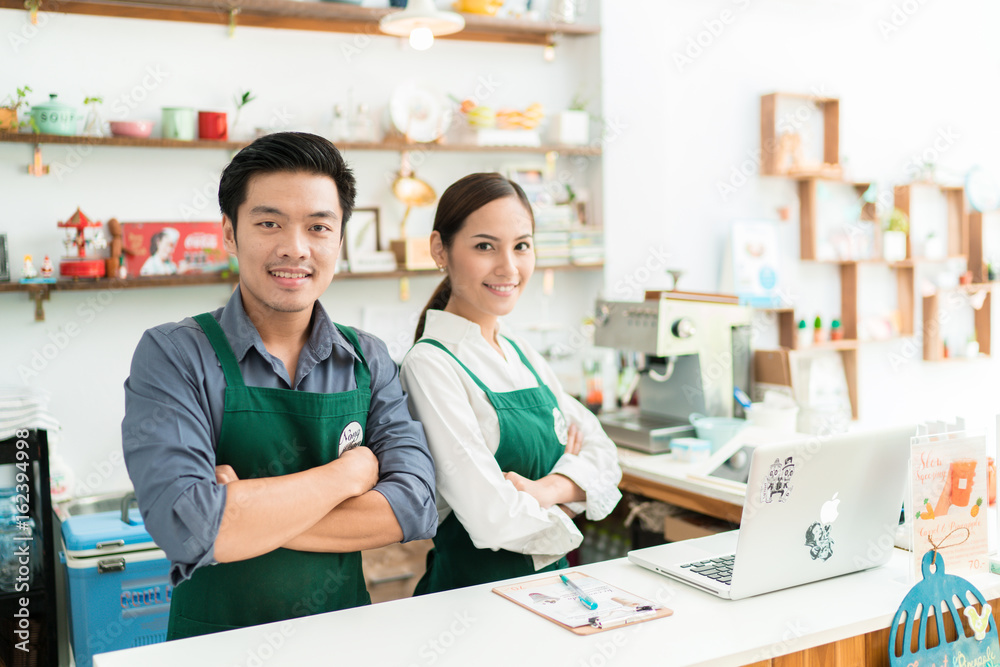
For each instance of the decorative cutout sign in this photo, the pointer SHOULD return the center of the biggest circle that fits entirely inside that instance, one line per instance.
(937, 593)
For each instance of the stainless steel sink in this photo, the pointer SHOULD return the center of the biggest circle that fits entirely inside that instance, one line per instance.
(103, 502)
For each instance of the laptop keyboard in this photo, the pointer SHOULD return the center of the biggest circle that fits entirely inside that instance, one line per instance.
(720, 569)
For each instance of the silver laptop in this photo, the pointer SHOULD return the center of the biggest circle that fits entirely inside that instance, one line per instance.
(814, 509)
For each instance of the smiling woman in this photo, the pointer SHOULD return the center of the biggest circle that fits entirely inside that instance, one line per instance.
(516, 457)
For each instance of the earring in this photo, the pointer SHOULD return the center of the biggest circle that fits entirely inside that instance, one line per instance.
(441, 269)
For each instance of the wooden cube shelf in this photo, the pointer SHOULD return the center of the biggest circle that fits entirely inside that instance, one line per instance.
(773, 155)
(934, 343)
(808, 205)
(958, 216)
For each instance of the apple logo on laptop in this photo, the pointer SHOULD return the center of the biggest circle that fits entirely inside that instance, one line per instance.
(828, 513)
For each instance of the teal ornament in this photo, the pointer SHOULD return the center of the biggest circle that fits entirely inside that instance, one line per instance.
(936, 591)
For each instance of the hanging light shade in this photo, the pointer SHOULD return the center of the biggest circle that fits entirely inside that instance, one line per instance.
(421, 14)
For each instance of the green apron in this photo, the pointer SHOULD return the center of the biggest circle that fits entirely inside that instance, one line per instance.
(532, 438)
(268, 432)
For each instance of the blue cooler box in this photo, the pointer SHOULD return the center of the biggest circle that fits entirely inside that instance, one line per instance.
(117, 582)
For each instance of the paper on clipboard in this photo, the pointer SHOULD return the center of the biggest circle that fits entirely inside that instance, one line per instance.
(551, 598)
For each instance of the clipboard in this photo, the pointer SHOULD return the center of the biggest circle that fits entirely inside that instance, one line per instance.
(551, 599)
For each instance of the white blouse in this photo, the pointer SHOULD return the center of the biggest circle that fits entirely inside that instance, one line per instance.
(463, 432)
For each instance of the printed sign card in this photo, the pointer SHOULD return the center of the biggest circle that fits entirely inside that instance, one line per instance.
(948, 500)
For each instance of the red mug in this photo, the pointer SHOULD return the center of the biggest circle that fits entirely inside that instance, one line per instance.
(213, 125)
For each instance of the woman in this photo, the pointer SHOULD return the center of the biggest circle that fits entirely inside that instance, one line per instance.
(516, 457)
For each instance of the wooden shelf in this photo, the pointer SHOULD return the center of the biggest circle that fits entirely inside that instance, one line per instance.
(395, 146)
(40, 292)
(772, 154)
(314, 16)
(958, 215)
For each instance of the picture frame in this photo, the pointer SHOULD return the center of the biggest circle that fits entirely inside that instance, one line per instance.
(363, 235)
(180, 248)
(531, 177)
(4, 259)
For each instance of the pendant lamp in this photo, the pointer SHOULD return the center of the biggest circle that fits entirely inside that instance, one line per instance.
(421, 21)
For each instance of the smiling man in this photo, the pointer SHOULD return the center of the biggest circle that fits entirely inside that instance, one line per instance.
(268, 445)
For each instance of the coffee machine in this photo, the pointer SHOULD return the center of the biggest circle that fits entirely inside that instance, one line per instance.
(690, 350)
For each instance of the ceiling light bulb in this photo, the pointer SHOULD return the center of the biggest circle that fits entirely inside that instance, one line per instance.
(421, 38)
(550, 53)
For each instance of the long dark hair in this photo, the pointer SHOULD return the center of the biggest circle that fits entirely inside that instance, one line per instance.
(462, 198)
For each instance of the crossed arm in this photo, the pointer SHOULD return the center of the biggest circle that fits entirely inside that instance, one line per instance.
(330, 508)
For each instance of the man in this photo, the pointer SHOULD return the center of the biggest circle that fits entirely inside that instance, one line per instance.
(242, 426)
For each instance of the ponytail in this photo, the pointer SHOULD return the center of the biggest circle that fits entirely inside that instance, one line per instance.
(437, 301)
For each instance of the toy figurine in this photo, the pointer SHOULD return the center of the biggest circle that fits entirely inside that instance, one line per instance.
(47, 268)
(29, 271)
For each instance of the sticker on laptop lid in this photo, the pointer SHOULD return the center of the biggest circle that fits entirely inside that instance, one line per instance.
(778, 482)
(818, 535)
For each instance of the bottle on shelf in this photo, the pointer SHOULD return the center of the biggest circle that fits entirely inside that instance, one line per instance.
(363, 126)
(340, 129)
(804, 336)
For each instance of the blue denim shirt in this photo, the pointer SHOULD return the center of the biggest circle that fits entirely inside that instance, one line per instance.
(174, 400)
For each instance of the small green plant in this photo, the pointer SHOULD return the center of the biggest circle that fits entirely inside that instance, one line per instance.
(897, 222)
(16, 102)
(579, 102)
(94, 125)
(241, 100)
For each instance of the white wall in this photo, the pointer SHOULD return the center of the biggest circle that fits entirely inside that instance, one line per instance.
(673, 136)
(298, 77)
(687, 127)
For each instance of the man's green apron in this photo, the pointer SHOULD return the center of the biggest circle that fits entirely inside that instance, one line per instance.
(268, 432)
(532, 438)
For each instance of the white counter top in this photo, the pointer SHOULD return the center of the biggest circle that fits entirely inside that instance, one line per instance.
(475, 626)
(693, 477)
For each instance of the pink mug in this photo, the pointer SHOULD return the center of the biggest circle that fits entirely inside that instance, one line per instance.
(213, 125)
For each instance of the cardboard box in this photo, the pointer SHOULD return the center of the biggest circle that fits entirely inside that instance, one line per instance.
(392, 572)
(413, 254)
(686, 525)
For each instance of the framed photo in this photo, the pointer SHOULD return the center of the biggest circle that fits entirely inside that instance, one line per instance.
(531, 178)
(362, 236)
(4, 259)
(173, 248)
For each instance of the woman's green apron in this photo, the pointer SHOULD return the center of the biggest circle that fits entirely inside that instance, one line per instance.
(532, 438)
(268, 432)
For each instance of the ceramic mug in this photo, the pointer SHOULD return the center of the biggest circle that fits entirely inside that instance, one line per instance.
(180, 123)
(213, 125)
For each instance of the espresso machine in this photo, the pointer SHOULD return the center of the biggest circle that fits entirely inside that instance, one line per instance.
(690, 351)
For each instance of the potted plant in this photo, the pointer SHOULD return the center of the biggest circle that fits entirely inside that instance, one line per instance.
(241, 100)
(572, 126)
(9, 112)
(93, 126)
(894, 237)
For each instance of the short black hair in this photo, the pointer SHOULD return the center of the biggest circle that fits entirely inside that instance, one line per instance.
(291, 152)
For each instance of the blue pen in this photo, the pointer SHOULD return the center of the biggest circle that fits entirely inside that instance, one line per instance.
(585, 599)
